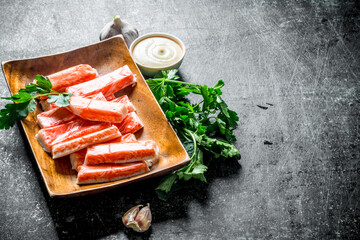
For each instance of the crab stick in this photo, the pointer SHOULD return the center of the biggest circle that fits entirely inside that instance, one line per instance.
(77, 158)
(54, 117)
(124, 138)
(128, 138)
(72, 76)
(125, 100)
(96, 110)
(110, 172)
(98, 96)
(121, 152)
(48, 137)
(107, 84)
(130, 124)
(76, 144)
(60, 115)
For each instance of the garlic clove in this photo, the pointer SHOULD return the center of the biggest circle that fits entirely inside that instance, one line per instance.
(142, 220)
(118, 26)
(130, 215)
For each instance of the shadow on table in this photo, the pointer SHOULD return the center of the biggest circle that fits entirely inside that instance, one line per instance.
(100, 215)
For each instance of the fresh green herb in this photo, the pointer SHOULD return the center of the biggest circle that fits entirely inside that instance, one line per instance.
(24, 101)
(205, 128)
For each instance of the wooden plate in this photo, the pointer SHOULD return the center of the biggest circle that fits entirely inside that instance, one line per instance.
(105, 56)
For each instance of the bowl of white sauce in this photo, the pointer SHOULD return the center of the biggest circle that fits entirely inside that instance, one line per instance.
(153, 52)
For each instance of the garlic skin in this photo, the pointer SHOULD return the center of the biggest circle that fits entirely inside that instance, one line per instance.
(130, 215)
(118, 26)
(142, 220)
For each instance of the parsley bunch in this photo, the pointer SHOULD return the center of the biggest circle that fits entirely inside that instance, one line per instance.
(205, 128)
(24, 101)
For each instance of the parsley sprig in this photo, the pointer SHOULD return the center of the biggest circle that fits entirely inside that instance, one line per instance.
(205, 128)
(24, 101)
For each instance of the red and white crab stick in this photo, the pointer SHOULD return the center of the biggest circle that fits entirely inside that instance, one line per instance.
(60, 115)
(97, 110)
(71, 76)
(107, 84)
(76, 144)
(121, 152)
(110, 172)
(77, 158)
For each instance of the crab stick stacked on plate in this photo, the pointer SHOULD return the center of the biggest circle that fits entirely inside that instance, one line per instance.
(102, 162)
(125, 100)
(76, 144)
(97, 110)
(112, 166)
(121, 152)
(110, 172)
(130, 124)
(54, 117)
(71, 76)
(78, 158)
(60, 115)
(116, 160)
(48, 137)
(107, 84)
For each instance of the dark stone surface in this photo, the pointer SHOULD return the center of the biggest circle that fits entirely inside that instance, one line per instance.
(300, 56)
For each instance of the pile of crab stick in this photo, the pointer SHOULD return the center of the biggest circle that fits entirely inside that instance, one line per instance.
(96, 131)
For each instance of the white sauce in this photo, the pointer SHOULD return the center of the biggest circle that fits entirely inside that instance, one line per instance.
(157, 52)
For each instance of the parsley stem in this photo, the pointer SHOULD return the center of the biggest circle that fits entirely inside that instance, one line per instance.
(40, 95)
(195, 150)
(193, 138)
(198, 104)
(55, 92)
(46, 94)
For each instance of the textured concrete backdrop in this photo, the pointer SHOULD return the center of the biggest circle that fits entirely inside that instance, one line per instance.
(300, 56)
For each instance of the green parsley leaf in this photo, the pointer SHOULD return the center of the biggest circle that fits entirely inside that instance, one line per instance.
(14, 112)
(157, 87)
(19, 97)
(199, 169)
(33, 89)
(168, 75)
(167, 183)
(43, 82)
(171, 74)
(24, 101)
(221, 125)
(219, 84)
(61, 100)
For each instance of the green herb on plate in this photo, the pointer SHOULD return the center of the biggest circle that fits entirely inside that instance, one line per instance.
(205, 128)
(24, 101)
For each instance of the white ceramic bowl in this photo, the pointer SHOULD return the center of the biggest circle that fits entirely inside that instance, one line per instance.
(151, 71)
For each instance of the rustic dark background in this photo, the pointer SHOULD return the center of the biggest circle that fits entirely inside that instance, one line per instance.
(300, 56)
